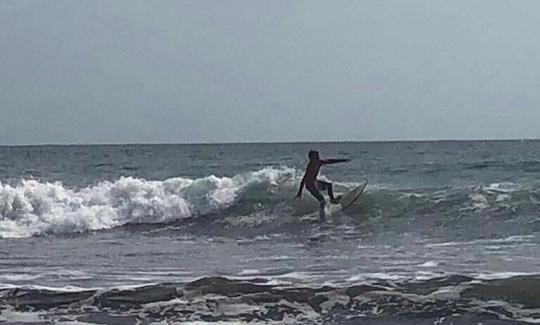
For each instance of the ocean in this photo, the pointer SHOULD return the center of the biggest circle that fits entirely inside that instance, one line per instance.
(447, 232)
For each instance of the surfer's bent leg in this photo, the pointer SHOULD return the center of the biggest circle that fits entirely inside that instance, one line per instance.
(322, 203)
(328, 187)
(315, 192)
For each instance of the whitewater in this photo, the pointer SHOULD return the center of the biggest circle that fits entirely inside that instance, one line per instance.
(447, 232)
(33, 208)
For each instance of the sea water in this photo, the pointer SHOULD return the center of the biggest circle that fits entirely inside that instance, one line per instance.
(446, 232)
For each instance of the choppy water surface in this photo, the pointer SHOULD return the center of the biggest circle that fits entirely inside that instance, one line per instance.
(447, 232)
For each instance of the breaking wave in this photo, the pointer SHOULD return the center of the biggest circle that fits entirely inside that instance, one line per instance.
(32, 208)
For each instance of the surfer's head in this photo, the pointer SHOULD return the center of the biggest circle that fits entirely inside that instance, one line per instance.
(313, 154)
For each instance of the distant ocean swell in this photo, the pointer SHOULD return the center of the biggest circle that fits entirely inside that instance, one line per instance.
(32, 208)
(443, 300)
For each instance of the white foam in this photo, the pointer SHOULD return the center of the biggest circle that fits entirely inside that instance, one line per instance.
(429, 264)
(480, 202)
(504, 187)
(249, 272)
(375, 276)
(270, 258)
(19, 277)
(10, 315)
(502, 275)
(32, 208)
(510, 239)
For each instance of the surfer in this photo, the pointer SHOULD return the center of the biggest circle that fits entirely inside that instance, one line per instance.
(315, 186)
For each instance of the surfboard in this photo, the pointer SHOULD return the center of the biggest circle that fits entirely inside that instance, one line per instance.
(347, 199)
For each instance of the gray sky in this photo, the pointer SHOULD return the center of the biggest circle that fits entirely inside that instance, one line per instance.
(81, 71)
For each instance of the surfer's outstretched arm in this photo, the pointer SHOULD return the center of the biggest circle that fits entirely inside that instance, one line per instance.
(333, 161)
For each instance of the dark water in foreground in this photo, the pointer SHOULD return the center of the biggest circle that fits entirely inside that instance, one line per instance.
(447, 232)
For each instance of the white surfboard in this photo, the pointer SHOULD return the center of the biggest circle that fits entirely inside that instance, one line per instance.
(347, 199)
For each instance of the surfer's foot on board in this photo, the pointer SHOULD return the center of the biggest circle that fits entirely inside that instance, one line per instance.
(335, 200)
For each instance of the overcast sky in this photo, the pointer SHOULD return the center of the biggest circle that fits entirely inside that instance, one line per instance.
(82, 71)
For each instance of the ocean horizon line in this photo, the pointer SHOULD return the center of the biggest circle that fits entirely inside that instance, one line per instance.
(90, 144)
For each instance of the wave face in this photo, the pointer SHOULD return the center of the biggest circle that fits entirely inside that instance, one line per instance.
(444, 300)
(33, 208)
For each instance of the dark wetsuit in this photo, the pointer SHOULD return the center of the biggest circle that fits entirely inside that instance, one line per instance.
(315, 186)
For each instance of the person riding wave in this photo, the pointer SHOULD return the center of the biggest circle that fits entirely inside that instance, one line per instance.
(315, 186)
